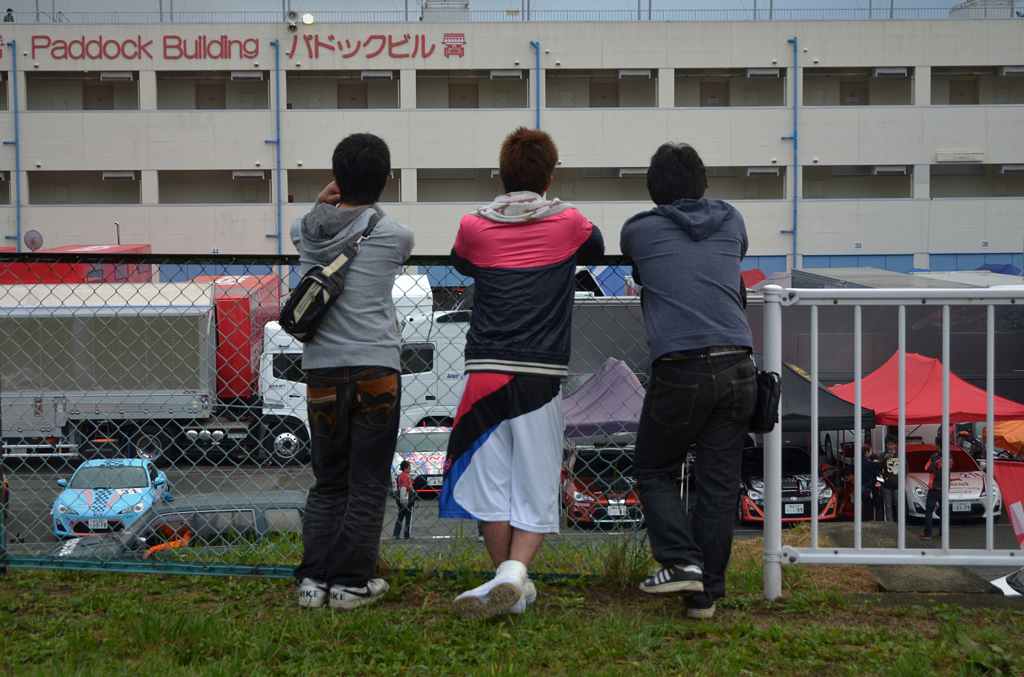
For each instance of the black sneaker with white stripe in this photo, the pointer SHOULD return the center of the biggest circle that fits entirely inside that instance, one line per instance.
(352, 598)
(687, 579)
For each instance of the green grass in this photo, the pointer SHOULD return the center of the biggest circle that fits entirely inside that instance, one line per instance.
(68, 624)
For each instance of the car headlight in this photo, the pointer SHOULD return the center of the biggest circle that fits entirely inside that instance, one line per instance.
(755, 495)
(920, 493)
(63, 509)
(138, 507)
(580, 496)
(825, 494)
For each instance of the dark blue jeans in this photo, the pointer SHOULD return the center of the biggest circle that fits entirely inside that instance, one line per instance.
(353, 419)
(403, 514)
(934, 499)
(709, 402)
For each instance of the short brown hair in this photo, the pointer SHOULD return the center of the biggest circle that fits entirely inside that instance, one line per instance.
(528, 158)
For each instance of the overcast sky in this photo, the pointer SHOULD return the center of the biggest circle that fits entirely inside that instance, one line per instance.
(339, 5)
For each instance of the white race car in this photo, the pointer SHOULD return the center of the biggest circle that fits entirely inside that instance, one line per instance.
(968, 493)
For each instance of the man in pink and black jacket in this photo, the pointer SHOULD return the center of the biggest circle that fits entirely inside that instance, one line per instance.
(505, 452)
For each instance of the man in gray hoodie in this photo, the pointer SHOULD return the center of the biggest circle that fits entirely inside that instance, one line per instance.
(686, 254)
(353, 367)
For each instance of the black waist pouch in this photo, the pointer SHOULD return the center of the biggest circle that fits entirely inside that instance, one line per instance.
(769, 394)
(318, 289)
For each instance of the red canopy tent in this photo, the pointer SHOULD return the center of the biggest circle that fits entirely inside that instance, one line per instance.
(880, 391)
(752, 277)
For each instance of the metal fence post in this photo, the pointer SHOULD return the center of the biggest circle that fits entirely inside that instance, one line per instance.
(773, 451)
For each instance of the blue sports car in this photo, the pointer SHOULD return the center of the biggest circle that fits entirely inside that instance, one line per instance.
(106, 495)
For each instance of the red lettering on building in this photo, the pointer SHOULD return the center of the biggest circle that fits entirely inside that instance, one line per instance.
(36, 44)
(172, 47)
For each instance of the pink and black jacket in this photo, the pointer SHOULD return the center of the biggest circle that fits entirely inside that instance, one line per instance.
(522, 252)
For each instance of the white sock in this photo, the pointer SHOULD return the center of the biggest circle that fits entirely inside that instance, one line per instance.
(511, 567)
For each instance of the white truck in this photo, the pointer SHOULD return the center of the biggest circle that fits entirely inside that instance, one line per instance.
(432, 365)
(160, 370)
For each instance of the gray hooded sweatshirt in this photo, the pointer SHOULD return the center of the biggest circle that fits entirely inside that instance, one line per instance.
(361, 328)
(687, 257)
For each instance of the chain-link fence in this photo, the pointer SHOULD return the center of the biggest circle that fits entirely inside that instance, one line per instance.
(154, 416)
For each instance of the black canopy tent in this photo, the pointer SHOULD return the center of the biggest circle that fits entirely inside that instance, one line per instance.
(833, 413)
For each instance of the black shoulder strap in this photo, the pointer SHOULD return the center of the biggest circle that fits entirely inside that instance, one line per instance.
(339, 266)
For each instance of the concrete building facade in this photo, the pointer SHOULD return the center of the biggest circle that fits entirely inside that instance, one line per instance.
(910, 134)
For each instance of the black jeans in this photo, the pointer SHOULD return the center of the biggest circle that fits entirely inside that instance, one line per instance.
(932, 501)
(708, 401)
(353, 417)
(403, 514)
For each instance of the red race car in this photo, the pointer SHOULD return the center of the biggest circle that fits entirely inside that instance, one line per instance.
(598, 489)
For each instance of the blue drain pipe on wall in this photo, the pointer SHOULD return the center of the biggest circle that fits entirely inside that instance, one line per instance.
(17, 146)
(536, 46)
(277, 141)
(796, 166)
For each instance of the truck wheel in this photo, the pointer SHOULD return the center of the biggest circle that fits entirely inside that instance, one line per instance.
(151, 446)
(287, 444)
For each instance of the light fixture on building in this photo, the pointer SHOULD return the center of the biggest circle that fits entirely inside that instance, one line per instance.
(307, 19)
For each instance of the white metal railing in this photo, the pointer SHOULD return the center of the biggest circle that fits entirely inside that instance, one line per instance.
(774, 554)
(762, 13)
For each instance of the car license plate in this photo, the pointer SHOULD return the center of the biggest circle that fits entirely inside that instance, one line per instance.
(98, 524)
(794, 509)
(616, 511)
(961, 506)
(435, 481)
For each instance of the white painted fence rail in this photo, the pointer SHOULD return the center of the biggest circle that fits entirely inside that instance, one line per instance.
(774, 554)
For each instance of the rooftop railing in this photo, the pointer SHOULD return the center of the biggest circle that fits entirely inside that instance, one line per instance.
(762, 13)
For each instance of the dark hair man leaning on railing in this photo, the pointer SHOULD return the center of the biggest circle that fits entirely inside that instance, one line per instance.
(686, 254)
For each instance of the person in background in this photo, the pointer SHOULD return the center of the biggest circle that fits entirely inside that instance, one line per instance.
(9, 17)
(891, 479)
(870, 495)
(405, 498)
(934, 498)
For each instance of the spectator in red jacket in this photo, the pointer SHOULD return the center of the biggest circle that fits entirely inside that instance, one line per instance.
(405, 499)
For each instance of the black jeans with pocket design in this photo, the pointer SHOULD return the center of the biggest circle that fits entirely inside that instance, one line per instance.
(707, 401)
(353, 416)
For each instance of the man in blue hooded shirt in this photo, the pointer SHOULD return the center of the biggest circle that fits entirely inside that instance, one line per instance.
(686, 254)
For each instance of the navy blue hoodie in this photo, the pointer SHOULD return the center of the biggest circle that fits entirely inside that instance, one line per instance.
(687, 257)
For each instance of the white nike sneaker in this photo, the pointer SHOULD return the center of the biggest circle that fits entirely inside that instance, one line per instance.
(529, 597)
(347, 598)
(496, 595)
(312, 594)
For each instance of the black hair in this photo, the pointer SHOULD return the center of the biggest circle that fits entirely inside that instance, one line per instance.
(676, 172)
(404, 465)
(362, 164)
(891, 440)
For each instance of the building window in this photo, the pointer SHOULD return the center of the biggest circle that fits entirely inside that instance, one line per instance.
(93, 90)
(458, 185)
(350, 90)
(859, 86)
(623, 88)
(212, 90)
(214, 186)
(976, 180)
(730, 87)
(304, 185)
(981, 85)
(472, 89)
(857, 182)
(83, 188)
